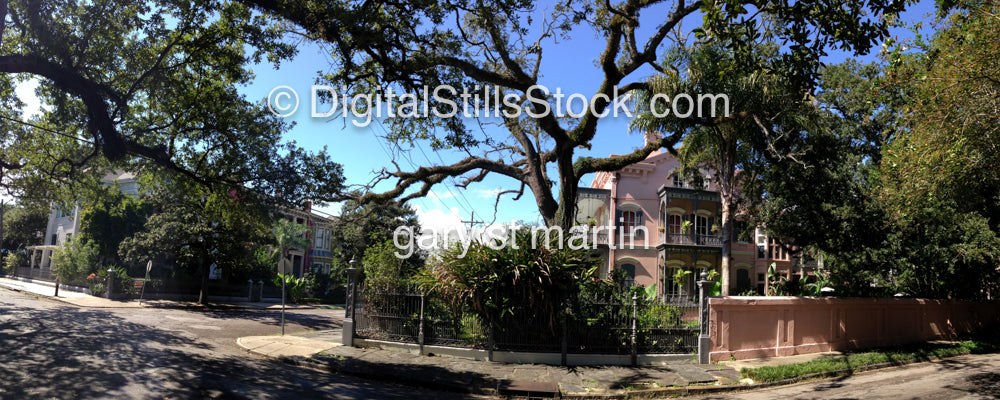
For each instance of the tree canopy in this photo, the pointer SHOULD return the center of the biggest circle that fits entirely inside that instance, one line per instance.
(154, 83)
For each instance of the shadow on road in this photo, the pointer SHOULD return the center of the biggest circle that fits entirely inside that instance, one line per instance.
(309, 321)
(55, 351)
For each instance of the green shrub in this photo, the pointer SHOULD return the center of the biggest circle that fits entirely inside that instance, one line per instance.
(122, 285)
(96, 284)
(315, 285)
(657, 315)
(294, 287)
(74, 260)
(498, 282)
(13, 261)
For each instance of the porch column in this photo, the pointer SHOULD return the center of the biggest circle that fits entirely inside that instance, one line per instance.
(694, 222)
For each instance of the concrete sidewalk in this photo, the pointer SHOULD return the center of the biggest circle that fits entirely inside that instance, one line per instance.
(322, 350)
(47, 289)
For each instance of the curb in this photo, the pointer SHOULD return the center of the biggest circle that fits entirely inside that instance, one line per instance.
(485, 387)
(209, 306)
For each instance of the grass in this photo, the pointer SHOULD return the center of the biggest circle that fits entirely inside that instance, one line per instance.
(855, 362)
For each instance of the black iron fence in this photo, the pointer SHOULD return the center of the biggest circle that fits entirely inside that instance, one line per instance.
(584, 326)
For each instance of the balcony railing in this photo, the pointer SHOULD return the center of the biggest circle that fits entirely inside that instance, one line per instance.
(687, 239)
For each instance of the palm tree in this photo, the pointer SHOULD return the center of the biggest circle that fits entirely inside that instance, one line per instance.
(288, 235)
(760, 103)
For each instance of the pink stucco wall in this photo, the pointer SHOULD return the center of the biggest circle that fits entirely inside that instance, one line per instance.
(760, 327)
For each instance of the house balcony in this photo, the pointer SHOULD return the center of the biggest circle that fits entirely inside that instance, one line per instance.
(689, 218)
(684, 239)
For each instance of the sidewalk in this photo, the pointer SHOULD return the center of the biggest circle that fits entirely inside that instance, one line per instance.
(47, 289)
(322, 350)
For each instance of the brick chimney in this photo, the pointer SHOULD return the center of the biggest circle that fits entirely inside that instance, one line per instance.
(651, 137)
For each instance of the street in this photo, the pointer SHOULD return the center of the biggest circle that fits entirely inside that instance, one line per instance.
(965, 377)
(52, 350)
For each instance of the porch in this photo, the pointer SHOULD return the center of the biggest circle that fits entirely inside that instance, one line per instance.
(689, 217)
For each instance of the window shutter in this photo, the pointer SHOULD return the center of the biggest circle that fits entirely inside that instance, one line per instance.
(638, 218)
(618, 217)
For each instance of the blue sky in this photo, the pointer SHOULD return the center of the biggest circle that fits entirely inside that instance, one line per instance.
(569, 65)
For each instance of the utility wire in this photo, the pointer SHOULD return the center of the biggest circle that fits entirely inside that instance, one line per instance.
(46, 129)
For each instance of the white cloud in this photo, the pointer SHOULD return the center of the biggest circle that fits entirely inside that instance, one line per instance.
(488, 193)
(438, 219)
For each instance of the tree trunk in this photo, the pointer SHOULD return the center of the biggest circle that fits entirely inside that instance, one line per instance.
(727, 193)
(727, 244)
(202, 295)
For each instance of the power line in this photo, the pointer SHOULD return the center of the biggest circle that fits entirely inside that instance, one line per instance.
(388, 154)
(460, 193)
(46, 129)
(413, 165)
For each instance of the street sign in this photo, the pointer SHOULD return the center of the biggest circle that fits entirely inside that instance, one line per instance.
(149, 267)
(285, 267)
(138, 283)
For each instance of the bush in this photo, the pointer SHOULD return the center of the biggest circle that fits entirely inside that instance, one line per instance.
(13, 261)
(656, 315)
(498, 282)
(96, 285)
(123, 282)
(316, 285)
(74, 260)
(383, 269)
(294, 287)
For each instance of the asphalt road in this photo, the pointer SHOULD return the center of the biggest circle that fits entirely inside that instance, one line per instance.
(966, 377)
(52, 350)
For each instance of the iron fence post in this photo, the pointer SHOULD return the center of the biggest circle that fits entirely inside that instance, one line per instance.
(111, 282)
(490, 344)
(565, 345)
(704, 341)
(347, 338)
(420, 334)
(249, 289)
(635, 342)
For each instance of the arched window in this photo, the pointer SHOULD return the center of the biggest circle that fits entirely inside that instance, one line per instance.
(742, 280)
(629, 270)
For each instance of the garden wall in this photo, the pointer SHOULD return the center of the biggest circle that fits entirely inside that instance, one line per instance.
(760, 327)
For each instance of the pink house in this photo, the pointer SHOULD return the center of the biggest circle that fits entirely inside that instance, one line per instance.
(662, 225)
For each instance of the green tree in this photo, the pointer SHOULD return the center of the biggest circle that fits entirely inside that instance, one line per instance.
(826, 202)
(289, 235)
(938, 177)
(195, 228)
(108, 216)
(133, 85)
(383, 270)
(499, 44)
(361, 226)
(496, 281)
(23, 225)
